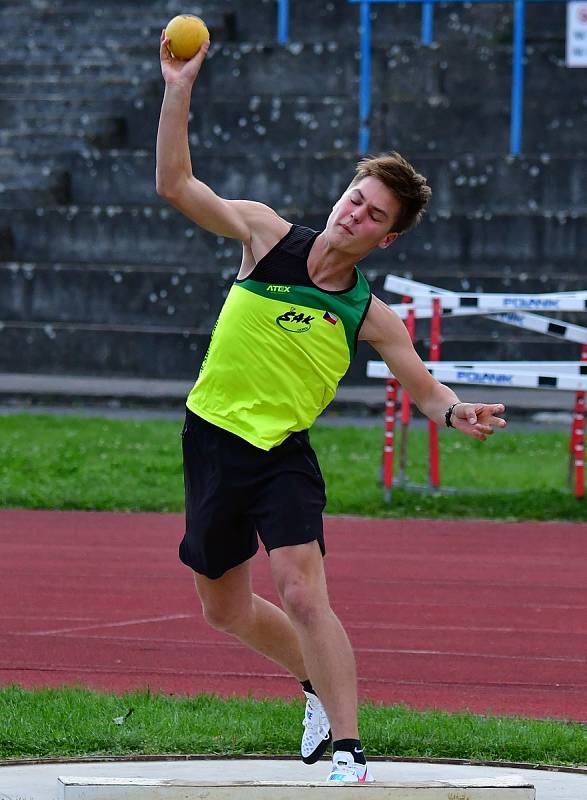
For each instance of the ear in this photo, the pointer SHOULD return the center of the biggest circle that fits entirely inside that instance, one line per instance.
(389, 239)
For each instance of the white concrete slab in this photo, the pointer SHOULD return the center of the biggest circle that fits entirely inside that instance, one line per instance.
(39, 782)
(75, 788)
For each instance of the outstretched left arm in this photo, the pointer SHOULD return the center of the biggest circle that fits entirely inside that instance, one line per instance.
(385, 331)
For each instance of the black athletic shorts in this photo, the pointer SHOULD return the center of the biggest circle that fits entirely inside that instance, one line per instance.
(235, 491)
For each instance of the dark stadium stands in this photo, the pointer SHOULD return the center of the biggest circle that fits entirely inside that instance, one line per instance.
(98, 276)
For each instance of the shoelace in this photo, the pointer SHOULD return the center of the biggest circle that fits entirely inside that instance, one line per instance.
(316, 720)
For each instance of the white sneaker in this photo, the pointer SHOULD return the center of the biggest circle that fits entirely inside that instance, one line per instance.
(317, 735)
(345, 769)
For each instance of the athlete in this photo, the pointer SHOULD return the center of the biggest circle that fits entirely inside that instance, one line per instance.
(283, 340)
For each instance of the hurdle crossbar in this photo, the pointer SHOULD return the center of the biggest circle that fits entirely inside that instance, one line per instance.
(538, 367)
(489, 377)
(518, 319)
(498, 303)
(411, 288)
(506, 788)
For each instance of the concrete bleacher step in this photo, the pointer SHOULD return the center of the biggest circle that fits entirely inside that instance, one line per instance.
(86, 349)
(263, 124)
(14, 163)
(77, 24)
(452, 128)
(105, 233)
(262, 68)
(119, 294)
(289, 126)
(52, 106)
(75, 88)
(461, 185)
(89, 69)
(109, 133)
(30, 190)
(155, 233)
(122, 69)
(64, 123)
(175, 295)
(72, 30)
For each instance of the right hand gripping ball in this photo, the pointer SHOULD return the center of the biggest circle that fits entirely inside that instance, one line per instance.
(186, 34)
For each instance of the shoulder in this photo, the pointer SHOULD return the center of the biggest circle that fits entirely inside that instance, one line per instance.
(259, 215)
(266, 229)
(380, 322)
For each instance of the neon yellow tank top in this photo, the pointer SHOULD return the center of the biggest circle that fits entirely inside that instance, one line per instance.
(279, 348)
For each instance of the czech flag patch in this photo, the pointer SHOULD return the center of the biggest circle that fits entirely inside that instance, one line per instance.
(330, 318)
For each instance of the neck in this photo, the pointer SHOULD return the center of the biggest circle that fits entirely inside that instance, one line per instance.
(328, 267)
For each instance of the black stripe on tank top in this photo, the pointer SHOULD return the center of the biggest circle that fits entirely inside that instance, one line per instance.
(287, 262)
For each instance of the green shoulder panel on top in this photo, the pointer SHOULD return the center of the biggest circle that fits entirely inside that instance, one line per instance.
(348, 306)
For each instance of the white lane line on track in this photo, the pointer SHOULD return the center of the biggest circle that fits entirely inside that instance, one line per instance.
(199, 643)
(384, 626)
(26, 617)
(517, 685)
(122, 624)
(531, 606)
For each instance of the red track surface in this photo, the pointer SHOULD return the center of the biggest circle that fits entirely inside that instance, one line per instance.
(490, 617)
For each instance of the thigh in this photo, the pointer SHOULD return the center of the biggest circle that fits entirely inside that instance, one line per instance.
(219, 533)
(291, 497)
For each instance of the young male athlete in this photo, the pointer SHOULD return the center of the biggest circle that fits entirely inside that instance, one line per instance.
(284, 338)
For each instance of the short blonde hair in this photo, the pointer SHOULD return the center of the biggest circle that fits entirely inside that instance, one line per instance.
(401, 178)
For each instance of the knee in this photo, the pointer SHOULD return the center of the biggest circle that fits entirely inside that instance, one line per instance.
(226, 618)
(301, 604)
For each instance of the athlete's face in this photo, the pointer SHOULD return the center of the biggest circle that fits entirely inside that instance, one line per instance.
(361, 219)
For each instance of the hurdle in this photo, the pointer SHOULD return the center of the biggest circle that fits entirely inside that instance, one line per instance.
(511, 309)
(506, 788)
(519, 318)
(392, 392)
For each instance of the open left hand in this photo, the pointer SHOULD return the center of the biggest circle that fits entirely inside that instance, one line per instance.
(478, 420)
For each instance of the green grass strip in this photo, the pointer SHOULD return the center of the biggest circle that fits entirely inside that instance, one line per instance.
(67, 462)
(79, 722)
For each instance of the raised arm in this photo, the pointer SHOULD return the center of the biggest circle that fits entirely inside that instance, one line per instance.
(235, 219)
(385, 331)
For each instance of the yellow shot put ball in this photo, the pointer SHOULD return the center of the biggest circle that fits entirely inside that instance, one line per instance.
(186, 34)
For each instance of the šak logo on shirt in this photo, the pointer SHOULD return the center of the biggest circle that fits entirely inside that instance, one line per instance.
(294, 321)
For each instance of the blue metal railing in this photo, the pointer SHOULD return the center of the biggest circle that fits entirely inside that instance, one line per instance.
(427, 23)
(517, 93)
(517, 100)
(283, 21)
